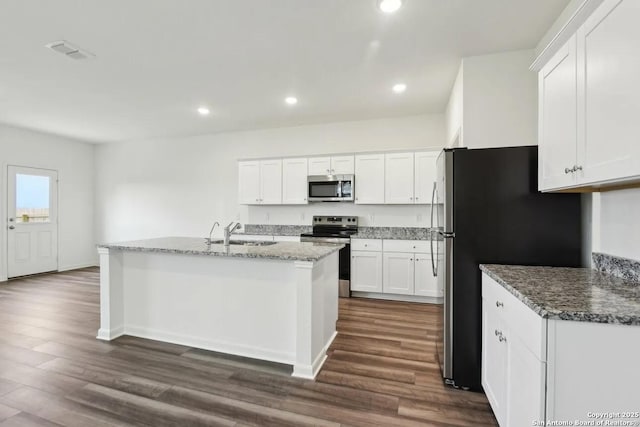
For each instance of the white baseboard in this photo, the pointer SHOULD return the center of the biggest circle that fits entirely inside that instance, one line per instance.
(211, 345)
(309, 372)
(77, 266)
(110, 334)
(393, 297)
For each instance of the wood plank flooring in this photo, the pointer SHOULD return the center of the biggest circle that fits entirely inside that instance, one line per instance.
(381, 370)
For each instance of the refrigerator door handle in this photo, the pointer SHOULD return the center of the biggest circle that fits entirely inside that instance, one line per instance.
(433, 262)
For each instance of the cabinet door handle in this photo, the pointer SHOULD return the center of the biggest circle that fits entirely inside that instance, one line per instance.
(410, 259)
(567, 170)
(502, 338)
(417, 259)
(577, 168)
(417, 198)
(497, 332)
(499, 304)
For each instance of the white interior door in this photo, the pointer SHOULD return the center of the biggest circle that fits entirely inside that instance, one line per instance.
(32, 221)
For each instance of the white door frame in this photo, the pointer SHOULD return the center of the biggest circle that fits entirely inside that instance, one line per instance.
(5, 215)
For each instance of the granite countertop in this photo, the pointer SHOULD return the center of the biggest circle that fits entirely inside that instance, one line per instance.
(283, 251)
(580, 294)
(276, 230)
(393, 233)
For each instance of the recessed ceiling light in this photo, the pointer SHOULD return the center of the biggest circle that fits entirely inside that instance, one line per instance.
(389, 6)
(399, 88)
(291, 100)
(203, 111)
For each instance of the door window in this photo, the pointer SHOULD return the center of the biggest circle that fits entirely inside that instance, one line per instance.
(33, 198)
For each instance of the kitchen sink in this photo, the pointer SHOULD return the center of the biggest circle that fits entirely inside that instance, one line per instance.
(242, 242)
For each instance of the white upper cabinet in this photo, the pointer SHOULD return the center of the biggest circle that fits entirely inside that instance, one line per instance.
(260, 182)
(558, 119)
(369, 179)
(249, 182)
(391, 178)
(294, 181)
(342, 165)
(609, 92)
(425, 176)
(399, 179)
(589, 103)
(336, 165)
(319, 165)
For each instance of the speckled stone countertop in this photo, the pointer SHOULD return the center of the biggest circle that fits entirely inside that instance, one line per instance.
(276, 230)
(580, 294)
(283, 251)
(393, 233)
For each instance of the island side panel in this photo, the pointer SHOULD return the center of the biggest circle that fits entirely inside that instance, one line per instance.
(241, 306)
(317, 305)
(111, 295)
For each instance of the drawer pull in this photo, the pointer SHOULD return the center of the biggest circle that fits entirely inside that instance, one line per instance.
(502, 338)
(499, 304)
(498, 332)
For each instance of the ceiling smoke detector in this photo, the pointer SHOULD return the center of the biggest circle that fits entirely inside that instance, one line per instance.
(70, 51)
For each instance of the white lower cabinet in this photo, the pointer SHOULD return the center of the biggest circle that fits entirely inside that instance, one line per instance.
(513, 376)
(366, 271)
(398, 273)
(536, 369)
(405, 269)
(426, 284)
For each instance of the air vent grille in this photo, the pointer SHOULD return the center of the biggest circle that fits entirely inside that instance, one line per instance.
(70, 51)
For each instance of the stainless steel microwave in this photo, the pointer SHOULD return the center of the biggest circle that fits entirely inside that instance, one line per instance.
(330, 188)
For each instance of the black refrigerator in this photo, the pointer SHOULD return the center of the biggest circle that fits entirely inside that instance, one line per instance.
(487, 209)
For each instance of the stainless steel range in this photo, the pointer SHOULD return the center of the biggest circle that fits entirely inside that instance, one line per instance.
(336, 229)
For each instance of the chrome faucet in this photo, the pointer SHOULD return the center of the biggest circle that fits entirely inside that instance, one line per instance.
(208, 241)
(229, 229)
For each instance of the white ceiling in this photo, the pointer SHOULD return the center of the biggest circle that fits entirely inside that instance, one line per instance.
(158, 60)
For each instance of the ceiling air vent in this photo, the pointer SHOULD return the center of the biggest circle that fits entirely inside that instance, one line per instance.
(70, 51)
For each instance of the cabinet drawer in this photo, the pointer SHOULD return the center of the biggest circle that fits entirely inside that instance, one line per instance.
(523, 323)
(415, 246)
(366, 245)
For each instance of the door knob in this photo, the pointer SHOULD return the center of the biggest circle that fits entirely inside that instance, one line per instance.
(11, 227)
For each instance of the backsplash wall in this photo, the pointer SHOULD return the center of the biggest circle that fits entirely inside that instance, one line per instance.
(616, 223)
(368, 215)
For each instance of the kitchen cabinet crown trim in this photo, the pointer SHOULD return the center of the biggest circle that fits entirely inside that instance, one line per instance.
(578, 18)
(351, 153)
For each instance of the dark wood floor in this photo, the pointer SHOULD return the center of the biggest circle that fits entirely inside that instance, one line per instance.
(381, 370)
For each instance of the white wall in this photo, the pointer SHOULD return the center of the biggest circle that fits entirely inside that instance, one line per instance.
(454, 111)
(616, 224)
(500, 100)
(181, 186)
(74, 162)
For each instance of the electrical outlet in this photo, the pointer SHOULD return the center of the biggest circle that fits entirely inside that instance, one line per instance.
(372, 218)
(302, 216)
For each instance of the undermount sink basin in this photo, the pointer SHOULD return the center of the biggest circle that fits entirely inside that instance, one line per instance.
(243, 242)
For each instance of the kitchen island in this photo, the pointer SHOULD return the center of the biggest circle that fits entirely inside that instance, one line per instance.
(277, 302)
